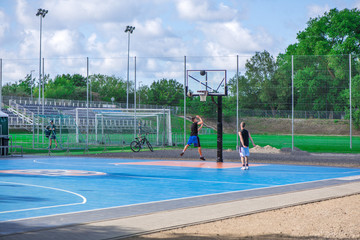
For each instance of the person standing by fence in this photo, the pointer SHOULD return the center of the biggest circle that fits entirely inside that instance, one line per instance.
(52, 129)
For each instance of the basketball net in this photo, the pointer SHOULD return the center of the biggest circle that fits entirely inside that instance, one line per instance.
(203, 95)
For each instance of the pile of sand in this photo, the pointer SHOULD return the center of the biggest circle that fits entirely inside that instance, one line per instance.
(266, 149)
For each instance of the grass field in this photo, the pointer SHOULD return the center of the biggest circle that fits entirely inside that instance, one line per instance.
(309, 143)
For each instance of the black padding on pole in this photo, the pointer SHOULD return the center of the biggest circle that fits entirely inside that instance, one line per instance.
(219, 131)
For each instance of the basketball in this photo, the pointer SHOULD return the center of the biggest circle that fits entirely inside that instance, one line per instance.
(202, 72)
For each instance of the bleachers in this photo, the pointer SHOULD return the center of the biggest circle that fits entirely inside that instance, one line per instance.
(63, 112)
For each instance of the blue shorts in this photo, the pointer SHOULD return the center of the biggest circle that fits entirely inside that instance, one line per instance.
(194, 140)
(244, 152)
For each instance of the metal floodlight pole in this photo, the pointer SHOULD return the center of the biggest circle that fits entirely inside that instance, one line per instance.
(41, 12)
(129, 30)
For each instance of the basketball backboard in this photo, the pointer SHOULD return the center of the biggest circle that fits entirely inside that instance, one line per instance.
(212, 81)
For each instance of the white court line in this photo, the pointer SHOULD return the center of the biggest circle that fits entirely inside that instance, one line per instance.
(173, 179)
(174, 199)
(198, 180)
(57, 189)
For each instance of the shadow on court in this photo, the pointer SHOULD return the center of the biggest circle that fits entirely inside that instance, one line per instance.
(112, 232)
(87, 232)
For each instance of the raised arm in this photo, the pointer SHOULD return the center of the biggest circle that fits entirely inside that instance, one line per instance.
(201, 121)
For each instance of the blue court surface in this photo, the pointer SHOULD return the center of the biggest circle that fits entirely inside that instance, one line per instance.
(80, 189)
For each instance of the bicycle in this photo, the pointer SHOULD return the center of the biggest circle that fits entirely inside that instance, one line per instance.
(139, 143)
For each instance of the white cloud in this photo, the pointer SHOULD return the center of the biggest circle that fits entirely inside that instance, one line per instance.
(316, 10)
(77, 12)
(29, 46)
(4, 25)
(95, 28)
(232, 38)
(200, 10)
(64, 43)
(22, 13)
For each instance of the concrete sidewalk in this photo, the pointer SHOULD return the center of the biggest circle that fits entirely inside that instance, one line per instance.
(137, 225)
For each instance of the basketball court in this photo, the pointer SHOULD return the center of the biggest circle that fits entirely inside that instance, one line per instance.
(43, 193)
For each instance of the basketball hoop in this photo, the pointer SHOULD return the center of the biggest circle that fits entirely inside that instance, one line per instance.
(202, 94)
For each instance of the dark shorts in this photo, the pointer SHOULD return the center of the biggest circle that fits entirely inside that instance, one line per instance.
(53, 136)
(194, 140)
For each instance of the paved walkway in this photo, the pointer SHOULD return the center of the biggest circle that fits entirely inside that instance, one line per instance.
(125, 227)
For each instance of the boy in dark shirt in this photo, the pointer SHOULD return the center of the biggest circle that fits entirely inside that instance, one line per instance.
(244, 146)
(52, 128)
(194, 138)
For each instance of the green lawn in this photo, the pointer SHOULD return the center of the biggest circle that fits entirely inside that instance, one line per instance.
(324, 144)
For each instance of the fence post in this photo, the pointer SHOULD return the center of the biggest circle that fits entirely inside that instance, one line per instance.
(87, 102)
(0, 82)
(292, 102)
(33, 141)
(350, 101)
(135, 98)
(185, 100)
(237, 101)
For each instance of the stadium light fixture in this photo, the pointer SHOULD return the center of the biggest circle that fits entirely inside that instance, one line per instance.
(41, 12)
(129, 30)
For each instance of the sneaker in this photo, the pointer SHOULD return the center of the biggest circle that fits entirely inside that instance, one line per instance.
(243, 168)
(49, 147)
(202, 158)
(181, 153)
(247, 168)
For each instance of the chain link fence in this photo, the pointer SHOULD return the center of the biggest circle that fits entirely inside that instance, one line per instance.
(289, 95)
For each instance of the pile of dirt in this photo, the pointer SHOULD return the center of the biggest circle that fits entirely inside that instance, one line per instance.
(266, 149)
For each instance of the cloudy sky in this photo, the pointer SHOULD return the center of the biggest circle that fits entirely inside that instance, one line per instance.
(209, 32)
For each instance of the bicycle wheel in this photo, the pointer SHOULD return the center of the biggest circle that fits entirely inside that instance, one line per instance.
(135, 146)
(149, 145)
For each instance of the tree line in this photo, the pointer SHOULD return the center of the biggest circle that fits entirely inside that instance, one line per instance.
(319, 63)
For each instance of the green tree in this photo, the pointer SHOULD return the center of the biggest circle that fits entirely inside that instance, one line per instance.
(258, 87)
(21, 88)
(165, 92)
(321, 82)
(105, 87)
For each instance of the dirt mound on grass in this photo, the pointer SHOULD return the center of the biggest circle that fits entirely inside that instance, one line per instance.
(266, 149)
